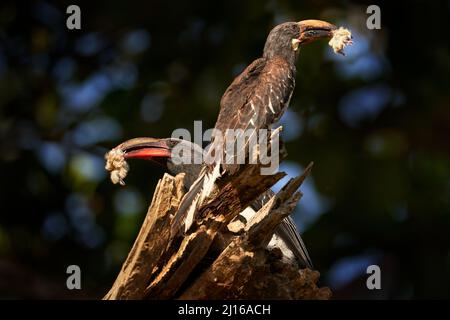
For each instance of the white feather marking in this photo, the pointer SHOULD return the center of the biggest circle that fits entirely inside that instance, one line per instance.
(252, 105)
(289, 99)
(276, 132)
(270, 106)
(210, 180)
(190, 214)
(208, 187)
(277, 242)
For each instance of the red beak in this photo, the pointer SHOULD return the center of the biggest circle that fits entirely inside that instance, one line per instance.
(147, 153)
(145, 148)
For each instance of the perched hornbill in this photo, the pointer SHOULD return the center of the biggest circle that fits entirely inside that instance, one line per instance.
(256, 99)
(286, 236)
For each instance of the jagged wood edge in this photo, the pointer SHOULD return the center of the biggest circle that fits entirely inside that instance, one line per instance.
(232, 274)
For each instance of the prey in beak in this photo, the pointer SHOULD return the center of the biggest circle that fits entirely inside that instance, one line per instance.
(156, 150)
(312, 30)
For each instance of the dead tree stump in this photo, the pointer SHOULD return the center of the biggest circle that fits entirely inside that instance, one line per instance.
(212, 261)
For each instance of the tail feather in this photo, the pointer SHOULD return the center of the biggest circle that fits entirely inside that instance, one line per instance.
(188, 204)
(289, 233)
(194, 198)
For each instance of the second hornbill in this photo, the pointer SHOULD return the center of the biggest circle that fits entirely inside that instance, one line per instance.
(286, 236)
(256, 99)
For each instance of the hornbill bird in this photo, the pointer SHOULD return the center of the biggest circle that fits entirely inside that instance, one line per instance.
(255, 100)
(286, 236)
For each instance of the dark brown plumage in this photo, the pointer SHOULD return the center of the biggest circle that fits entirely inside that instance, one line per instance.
(256, 99)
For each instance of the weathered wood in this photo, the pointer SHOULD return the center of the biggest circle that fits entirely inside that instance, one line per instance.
(161, 267)
(234, 195)
(150, 243)
(246, 270)
(263, 224)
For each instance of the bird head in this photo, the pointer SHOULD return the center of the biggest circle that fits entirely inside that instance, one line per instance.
(175, 154)
(285, 39)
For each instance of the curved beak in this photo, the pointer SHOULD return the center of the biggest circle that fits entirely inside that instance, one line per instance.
(145, 148)
(312, 30)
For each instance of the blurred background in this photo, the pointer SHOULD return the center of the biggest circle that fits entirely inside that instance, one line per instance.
(376, 123)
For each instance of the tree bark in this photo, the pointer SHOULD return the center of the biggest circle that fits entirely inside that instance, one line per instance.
(212, 261)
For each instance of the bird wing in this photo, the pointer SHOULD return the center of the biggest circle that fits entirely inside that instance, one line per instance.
(254, 100)
(287, 231)
(196, 195)
(257, 98)
(290, 235)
